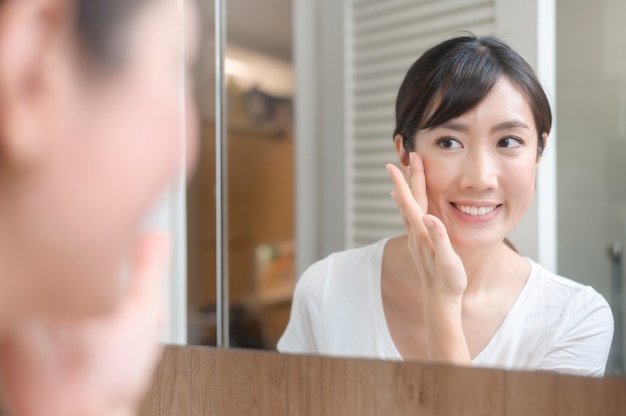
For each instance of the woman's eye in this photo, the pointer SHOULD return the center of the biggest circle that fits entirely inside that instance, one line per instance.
(509, 142)
(449, 143)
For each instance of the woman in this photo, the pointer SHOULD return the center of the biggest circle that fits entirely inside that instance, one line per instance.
(472, 122)
(90, 136)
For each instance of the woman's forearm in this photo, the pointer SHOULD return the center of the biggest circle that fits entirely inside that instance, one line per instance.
(444, 327)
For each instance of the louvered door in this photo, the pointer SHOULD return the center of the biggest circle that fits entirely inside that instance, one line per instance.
(383, 40)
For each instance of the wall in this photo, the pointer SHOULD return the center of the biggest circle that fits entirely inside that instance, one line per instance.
(591, 96)
(320, 132)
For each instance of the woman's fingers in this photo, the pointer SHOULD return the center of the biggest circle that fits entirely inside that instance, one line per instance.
(444, 253)
(96, 365)
(446, 261)
(439, 267)
(409, 207)
(407, 226)
(417, 179)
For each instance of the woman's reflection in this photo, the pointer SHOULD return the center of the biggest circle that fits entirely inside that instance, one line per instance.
(472, 122)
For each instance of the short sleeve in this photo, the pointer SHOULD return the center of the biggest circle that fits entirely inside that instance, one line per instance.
(301, 333)
(581, 344)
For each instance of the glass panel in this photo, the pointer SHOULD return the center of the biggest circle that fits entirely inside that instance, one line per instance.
(260, 179)
(201, 284)
(591, 97)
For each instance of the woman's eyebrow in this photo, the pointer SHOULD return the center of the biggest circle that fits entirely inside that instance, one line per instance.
(455, 125)
(510, 124)
(505, 125)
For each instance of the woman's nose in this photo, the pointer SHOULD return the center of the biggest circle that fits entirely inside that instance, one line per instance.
(479, 171)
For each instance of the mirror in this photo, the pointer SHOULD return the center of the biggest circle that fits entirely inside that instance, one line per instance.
(347, 204)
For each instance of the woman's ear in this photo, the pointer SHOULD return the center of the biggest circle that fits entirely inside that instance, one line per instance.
(544, 137)
(32, 35)
(403, 155)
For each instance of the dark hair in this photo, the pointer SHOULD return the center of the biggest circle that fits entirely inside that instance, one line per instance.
(458, 74)
(102, 28)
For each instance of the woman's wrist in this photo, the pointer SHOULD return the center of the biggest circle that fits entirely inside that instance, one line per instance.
(438, 303)
(443, 314)
(444, 328)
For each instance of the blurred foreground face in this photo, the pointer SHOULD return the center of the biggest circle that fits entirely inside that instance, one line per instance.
(85, 153)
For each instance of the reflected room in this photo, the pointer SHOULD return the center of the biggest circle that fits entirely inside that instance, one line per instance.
(260, 178)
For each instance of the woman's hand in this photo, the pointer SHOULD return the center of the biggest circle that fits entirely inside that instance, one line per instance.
(440, 269)
(90, 367)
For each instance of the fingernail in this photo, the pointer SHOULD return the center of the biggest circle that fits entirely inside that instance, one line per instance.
(412, 157)
(428, 222)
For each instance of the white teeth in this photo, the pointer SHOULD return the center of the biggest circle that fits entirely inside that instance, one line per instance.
(475, 211)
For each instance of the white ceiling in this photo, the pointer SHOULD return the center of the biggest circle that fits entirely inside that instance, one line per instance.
(263, 26)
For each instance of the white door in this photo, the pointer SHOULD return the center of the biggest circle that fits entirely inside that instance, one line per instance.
(591, 161)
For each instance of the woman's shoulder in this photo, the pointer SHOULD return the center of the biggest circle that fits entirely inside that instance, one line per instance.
(558, 290)
(350, 260)
(557, 281)
(346, 265)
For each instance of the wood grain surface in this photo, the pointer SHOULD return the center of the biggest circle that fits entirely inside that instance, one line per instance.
(204, 381)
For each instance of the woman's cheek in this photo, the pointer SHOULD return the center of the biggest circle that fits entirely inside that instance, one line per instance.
(436, 184)
(520, 184)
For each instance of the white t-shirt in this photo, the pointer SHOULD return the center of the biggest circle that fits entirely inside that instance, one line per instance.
(554, 324)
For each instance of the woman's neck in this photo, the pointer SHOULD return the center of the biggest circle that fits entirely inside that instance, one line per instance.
(486, 268)
(491, 266)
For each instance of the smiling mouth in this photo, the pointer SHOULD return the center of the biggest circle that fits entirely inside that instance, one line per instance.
(475, 211)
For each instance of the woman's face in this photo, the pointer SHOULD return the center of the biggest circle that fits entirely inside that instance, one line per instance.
(114, 141)
(480, 168)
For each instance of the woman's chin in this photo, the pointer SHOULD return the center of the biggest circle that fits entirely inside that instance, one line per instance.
(475, 241)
